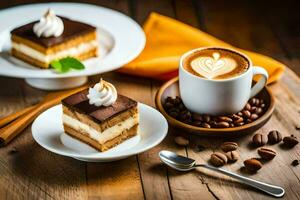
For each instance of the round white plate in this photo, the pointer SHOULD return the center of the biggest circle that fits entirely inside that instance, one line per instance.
(121, 39)
(47, 131)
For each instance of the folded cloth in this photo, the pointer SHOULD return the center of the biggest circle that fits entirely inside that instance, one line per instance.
(168, 39)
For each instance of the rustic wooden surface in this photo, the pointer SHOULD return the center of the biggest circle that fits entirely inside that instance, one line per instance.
(27, 171)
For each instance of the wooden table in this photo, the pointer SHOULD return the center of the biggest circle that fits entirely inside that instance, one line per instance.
(28, 171)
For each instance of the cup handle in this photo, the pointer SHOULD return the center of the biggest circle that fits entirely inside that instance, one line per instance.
(261, 82)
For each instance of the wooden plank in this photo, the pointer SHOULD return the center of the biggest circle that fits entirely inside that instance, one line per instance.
(120, 179)
(234, 22)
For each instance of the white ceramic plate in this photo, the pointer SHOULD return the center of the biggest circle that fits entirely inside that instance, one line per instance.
(121, 39)
(47, 131)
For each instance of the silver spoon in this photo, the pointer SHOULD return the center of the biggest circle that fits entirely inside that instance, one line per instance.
(182, 163)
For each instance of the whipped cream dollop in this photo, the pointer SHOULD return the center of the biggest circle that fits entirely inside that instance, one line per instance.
(211, 67)
(49, 25)
(102, 94)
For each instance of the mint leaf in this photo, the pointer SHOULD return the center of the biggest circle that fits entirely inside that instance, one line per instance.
(71, 63)
(65, 64)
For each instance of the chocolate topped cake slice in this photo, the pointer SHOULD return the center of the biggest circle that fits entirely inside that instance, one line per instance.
(52, 38)
(100, 117)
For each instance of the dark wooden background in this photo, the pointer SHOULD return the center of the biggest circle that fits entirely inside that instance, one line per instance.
(27, 171)
(268, 27)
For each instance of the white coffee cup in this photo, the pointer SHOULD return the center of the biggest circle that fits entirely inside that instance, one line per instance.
(219, 96)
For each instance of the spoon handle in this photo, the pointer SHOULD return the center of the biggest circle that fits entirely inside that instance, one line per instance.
(268, 188)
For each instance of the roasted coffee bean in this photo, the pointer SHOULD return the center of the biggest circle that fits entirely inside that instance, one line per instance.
(181, 107)
(259, 111)
(173, 109)
(254, 102)
(173, 114)
(222, 124)
(235, 117)
(197, 117)
(263, 105)
(295, 163)
(247, 107)
(253, 109)
(274, 137)
(240, 114)
(231, 125)
(290, 141)
(185, 115)
(181, 141)
(267, 154)
(240, 124)
(253, 117)
(246, 113)
(197, 123)
(259, 139)
(248, 121)
(177, 100)
(232, 156)
(206, 118)
(252, 164)
(224, 119)
(229, 146)
(238, 120)
(205, 125)
(168, 105)
(218, 159)
(169, 99)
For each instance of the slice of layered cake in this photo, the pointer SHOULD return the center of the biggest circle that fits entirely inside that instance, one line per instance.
(100, 117)
(52, 38)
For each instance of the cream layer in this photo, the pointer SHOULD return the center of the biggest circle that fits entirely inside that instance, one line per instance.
(73, 52)
(107, 134)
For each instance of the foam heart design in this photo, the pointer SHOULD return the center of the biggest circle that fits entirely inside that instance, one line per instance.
(211, 67)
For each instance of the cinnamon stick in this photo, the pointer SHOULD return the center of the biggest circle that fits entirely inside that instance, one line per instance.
(10, 131)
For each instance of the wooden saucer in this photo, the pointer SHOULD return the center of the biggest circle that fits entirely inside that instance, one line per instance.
(171, 88)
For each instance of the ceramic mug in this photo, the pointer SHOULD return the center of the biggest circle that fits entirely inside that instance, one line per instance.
(219, 96)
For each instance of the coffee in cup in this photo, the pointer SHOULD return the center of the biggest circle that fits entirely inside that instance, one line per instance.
(215, 63)
(216, 80)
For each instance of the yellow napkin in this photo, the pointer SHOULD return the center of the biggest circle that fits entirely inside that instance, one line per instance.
(168, 39)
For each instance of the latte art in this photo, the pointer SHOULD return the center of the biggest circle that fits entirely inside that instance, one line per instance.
(211, 67)
(215, 63)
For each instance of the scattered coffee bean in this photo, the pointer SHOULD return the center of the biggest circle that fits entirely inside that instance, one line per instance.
(218, 159)
(229, 146)
(267, 154)
(232, 156)
(290, 141)
(252, 164)
(181, 141)
(240, 114)
(274, 137)
(295, 163)
(259, 140)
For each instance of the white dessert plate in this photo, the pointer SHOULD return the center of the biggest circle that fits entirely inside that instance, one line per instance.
(120, 39)
(47, 131)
